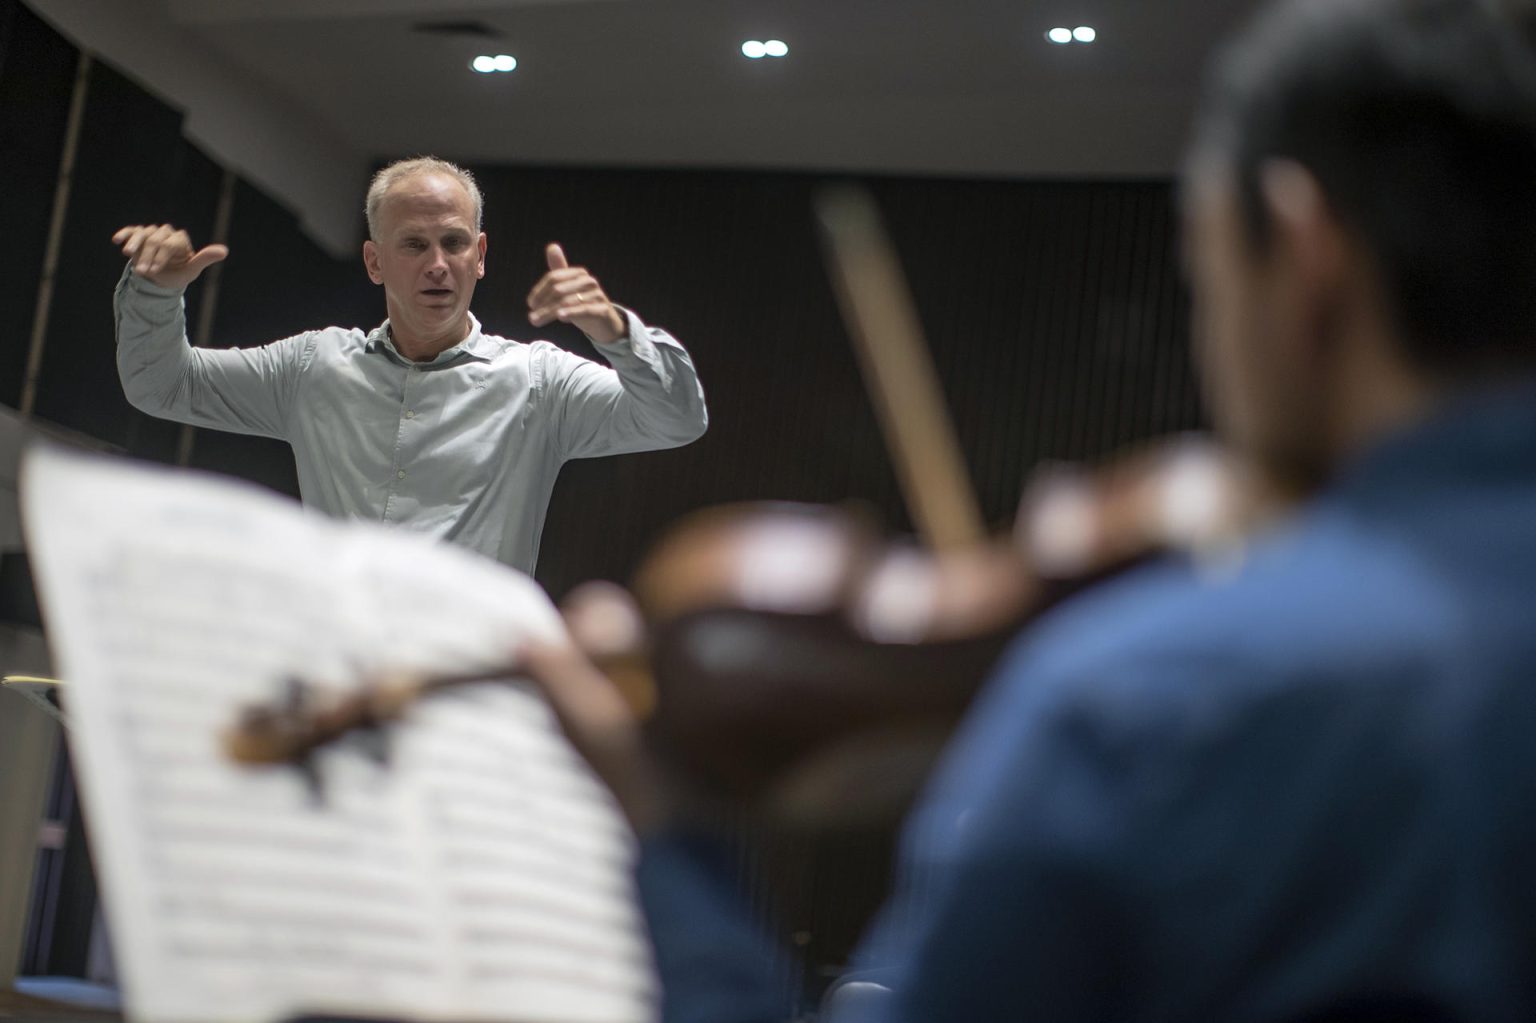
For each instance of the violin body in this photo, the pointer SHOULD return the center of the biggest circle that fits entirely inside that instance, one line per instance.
(805, 666)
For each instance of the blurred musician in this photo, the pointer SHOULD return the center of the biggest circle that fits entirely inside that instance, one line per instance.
(1305, 789)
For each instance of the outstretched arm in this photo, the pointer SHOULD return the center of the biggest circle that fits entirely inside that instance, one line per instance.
(248, 390)
(651, 398)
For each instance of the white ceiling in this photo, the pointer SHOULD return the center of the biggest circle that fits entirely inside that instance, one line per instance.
(302, 96)
(959, 86)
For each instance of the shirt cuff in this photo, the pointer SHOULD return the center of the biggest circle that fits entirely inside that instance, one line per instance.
(637, 333)
(141, 286)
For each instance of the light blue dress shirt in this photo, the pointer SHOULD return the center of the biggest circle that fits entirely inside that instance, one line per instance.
(465, 447)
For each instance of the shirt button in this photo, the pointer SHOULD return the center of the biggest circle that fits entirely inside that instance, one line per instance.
(400, 475)
(410, 415)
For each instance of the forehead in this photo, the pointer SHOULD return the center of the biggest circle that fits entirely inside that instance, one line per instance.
(427, 199)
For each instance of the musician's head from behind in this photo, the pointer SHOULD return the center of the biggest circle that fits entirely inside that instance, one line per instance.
(426, 247)
(1361, 221)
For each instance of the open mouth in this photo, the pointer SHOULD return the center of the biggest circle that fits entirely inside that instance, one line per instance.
(437, 292)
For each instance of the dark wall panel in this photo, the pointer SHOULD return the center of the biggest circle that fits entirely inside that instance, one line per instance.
(1054, 310)
(133, 167)
(37, 70)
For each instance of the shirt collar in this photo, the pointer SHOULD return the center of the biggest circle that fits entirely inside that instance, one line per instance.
(475, 346)
(1486, 433)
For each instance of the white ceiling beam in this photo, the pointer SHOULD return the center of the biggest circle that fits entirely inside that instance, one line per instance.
(282, 148)
(202, 12)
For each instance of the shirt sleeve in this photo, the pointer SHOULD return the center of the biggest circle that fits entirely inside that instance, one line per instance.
(650, 398)
(244, 390)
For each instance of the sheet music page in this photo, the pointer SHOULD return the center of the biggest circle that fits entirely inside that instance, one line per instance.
(482, 874)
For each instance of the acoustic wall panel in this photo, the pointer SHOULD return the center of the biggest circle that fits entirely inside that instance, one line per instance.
(37, 73)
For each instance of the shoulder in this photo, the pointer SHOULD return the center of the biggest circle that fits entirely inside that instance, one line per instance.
(338, 339)
(1324, 594)
(496, 348)
(551, 352)
(551, 365)
(324, 348)
(1323, 632)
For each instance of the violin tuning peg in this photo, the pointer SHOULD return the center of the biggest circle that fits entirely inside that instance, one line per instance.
(374, 741)
(313, 781)
(296, 694)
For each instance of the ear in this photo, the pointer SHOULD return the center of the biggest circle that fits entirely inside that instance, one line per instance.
(1311, 254)
(371, 262)
(1306, 230)
(480, 267)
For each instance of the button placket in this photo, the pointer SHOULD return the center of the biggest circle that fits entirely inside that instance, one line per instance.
(407, 388)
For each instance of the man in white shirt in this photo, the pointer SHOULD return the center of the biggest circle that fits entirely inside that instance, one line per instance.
(425, 421)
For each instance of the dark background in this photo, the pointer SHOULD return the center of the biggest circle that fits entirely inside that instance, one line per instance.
(1054, 309)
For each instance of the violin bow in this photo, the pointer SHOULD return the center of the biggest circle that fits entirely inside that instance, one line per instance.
(898, 369)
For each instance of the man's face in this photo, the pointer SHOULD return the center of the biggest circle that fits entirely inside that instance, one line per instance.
(428, 256)
(1252, 340)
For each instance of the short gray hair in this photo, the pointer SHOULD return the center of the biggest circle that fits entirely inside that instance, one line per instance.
(400, 170)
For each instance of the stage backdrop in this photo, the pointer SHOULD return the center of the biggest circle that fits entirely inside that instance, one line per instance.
(1054, 311)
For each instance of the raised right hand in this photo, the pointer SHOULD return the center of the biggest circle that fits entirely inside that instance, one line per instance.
(163, 254)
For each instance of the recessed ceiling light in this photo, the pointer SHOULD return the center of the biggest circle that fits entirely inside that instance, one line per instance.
(756, 49)
(1059, 35)
(486, 64)
(1084, 34)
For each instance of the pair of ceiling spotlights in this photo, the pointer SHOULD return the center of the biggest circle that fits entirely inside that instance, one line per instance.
(1081, 34)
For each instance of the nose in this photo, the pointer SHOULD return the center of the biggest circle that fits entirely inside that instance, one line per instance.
(437, 266)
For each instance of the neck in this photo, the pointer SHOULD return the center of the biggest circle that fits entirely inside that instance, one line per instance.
(1384, 394)
(1359, 391)
(422, 347)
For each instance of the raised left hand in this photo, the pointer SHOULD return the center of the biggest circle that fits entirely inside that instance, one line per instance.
(572, 295)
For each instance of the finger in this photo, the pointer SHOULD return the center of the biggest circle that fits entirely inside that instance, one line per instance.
(543, 292)
(207, 256)
(548, 313)
(589, 706)
(553, 310)
(596, 718)
(562, 292)
(147, 250)
(124, 233)
(586, 284)
(174, 250)
(604, 620)
(151, 244)
(554, 255)
(590, 312)
(135, 239)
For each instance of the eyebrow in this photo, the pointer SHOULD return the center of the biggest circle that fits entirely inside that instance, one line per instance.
(451, 233)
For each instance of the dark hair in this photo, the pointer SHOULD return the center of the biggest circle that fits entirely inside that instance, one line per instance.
(1418, 120)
